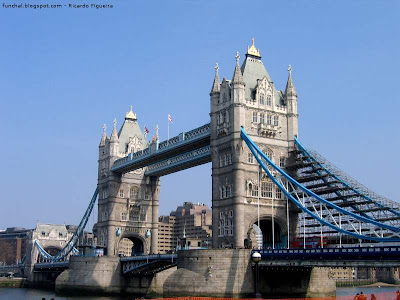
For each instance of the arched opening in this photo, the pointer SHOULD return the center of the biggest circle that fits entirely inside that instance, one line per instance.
(130, 246)
(272, 236)
(52, 250)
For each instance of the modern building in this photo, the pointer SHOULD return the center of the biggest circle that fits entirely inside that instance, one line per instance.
(189, 227)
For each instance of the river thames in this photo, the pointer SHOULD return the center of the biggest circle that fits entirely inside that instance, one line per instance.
(34, 294)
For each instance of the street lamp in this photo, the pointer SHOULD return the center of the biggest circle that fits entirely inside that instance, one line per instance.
(256, 258)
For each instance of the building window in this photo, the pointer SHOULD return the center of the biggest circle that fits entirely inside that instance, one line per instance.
(43, 233)
(229, 158)
(105, 194)
(221, 214)
(269, 100)
(253, 190)
(266, 188)
(261, 98)
(231, 214)
(221, 161)
(124, 216)
(250, 158)
(228, 191)
(269, 119)
(278, 193)
(255, 119)
(134, 193)
(282, 161)
(276, 120)
(262, 119)
(146, 196)
(121, 193)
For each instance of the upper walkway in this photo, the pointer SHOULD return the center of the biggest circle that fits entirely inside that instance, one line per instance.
(186, 150)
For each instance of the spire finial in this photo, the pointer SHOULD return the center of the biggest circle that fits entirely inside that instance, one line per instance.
(216, 85)
(290, 70)
(115, 123)
(237, 57)
(104, 128)
(252, 50)
(114, 134)
(130, 115)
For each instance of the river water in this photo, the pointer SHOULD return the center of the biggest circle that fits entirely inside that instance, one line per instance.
(383, 293)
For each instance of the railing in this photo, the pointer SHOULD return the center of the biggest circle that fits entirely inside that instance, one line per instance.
(388, 252)
(188, 156)
(183, 137)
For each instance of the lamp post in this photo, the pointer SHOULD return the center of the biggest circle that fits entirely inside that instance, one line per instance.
(256, 258)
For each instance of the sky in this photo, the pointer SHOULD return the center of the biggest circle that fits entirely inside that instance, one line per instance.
(65, 72)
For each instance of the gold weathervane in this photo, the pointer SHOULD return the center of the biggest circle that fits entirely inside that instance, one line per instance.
(130, 115)
(252, 50)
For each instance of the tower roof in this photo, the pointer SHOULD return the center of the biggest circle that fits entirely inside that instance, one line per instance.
(253, 70)
(114, 135)
(129, 130)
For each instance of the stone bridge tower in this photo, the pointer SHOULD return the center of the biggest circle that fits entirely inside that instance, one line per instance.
(128, 204)
(250, 100)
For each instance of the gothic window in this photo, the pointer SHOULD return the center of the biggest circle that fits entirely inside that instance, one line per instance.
(276, 120)
(278, 193)
(121, 193)
(262, 119)
(228, 191)
(146, 195)
(227, 117)
(255, 117)
(134, 193)
(221, 215)
(269, 100)
(266, 188)
(282, 161)
(269, 119)
(221, 161)
(252, 190)
(221, 227)
(218, 119)
(124, 216)
(221, 195)
(223, 192)
(105, 195)
(261, 98)
(221, 118)
(231, 214)
(225, 159)
(229, 158)
(250, 158)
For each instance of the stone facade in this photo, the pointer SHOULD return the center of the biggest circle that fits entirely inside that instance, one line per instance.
(128, 204)
(250, 100)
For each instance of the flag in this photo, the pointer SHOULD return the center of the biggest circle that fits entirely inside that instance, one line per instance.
(146, 131)
(170, 118)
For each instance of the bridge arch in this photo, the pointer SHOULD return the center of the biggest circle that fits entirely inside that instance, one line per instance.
(132, 244)
(280, 231)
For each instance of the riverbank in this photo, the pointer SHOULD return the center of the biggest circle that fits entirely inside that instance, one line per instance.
(13, 282)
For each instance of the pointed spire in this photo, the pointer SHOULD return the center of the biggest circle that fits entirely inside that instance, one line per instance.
(216, 85)
(114, 134)
(237, 76)
(290, 91)
(104, 136)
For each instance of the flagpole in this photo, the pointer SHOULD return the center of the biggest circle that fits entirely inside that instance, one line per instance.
(168, 130)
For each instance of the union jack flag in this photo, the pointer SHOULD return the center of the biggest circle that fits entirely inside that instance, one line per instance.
(170, 118)
(146, 131)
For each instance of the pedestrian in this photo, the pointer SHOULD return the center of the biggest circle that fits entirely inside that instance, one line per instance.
(373, 297)
(357, 297)
(398, 295)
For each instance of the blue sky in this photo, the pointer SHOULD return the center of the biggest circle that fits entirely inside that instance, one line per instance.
(63, 73)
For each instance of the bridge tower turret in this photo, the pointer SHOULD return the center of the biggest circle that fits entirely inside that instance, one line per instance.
(250, 101)
(291, 103)
(128, 204)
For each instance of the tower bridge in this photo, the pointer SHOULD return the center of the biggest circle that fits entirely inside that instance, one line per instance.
(268, 190)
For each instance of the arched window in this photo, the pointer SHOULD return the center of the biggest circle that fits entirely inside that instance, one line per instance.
(269, 100)
(261, 98)
(266, 187)
(134, 193)
(223, 192)
(262, 119)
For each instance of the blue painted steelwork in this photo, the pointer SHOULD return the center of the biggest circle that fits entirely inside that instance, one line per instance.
(184, 141)
(147, 264)
(386, 252)
(355, 190)
(180, 162)
(258, 153)
(70, 246)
